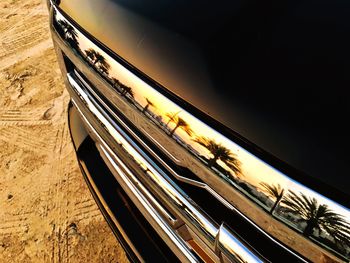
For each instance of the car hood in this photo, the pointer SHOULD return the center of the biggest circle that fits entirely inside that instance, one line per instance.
(275, 74)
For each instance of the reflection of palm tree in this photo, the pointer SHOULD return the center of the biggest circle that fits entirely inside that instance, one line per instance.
(182, 124)
(69, 33)
(115, 83)
(127, 90)
(98, 60)
(149, 103)
(274, 192)
(220, 152)
(90, 53)
(318, 217)
(123, 89)
(103, 68)
(172, 117)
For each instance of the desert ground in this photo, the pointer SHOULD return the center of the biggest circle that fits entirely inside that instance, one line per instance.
(47, 213)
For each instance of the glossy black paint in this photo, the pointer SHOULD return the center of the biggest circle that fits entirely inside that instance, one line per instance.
(273, 72)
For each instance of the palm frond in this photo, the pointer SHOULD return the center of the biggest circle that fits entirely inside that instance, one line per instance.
(318, 216)
(272, 190)
(220, 152)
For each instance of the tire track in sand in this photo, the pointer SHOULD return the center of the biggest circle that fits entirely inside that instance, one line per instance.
(51, 216)
(32, 51)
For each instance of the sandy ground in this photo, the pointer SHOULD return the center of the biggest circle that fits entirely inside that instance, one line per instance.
(47, 213)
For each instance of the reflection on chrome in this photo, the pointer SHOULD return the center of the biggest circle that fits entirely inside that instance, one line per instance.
(297, 216)
(231, 247)
(222, 240)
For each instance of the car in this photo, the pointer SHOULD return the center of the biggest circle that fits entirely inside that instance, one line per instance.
(212, 131)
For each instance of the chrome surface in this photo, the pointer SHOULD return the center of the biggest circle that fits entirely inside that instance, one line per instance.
(111, 215)
(289, 213)
(231, 247)
(185, 207)
(198, 184)
(224, 241)
(134, 193)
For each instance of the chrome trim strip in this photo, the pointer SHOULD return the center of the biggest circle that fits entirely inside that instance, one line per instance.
(232, 248)
(219, 197)
(194, 217)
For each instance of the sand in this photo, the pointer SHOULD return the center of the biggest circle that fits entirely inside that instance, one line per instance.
(47, 213)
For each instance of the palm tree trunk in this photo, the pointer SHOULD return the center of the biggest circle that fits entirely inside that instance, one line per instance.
(145, 108)
(308, 229)
(172, 132)
(276, 203)
(212, 161)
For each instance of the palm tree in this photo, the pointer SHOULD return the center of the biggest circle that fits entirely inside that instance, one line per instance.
(98, 60)
(274, 192)
(220, 152)
(318, 217)
(149, 103)
(127, 90)
(115, 82)
(103, 68)
(171, 117)
(69, 33)
(181, 123)
(90, 53)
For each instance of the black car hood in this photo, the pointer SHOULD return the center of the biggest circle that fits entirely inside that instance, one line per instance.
(276, 73)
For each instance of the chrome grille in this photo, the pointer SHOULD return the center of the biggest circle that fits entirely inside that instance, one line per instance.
(216, 238)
